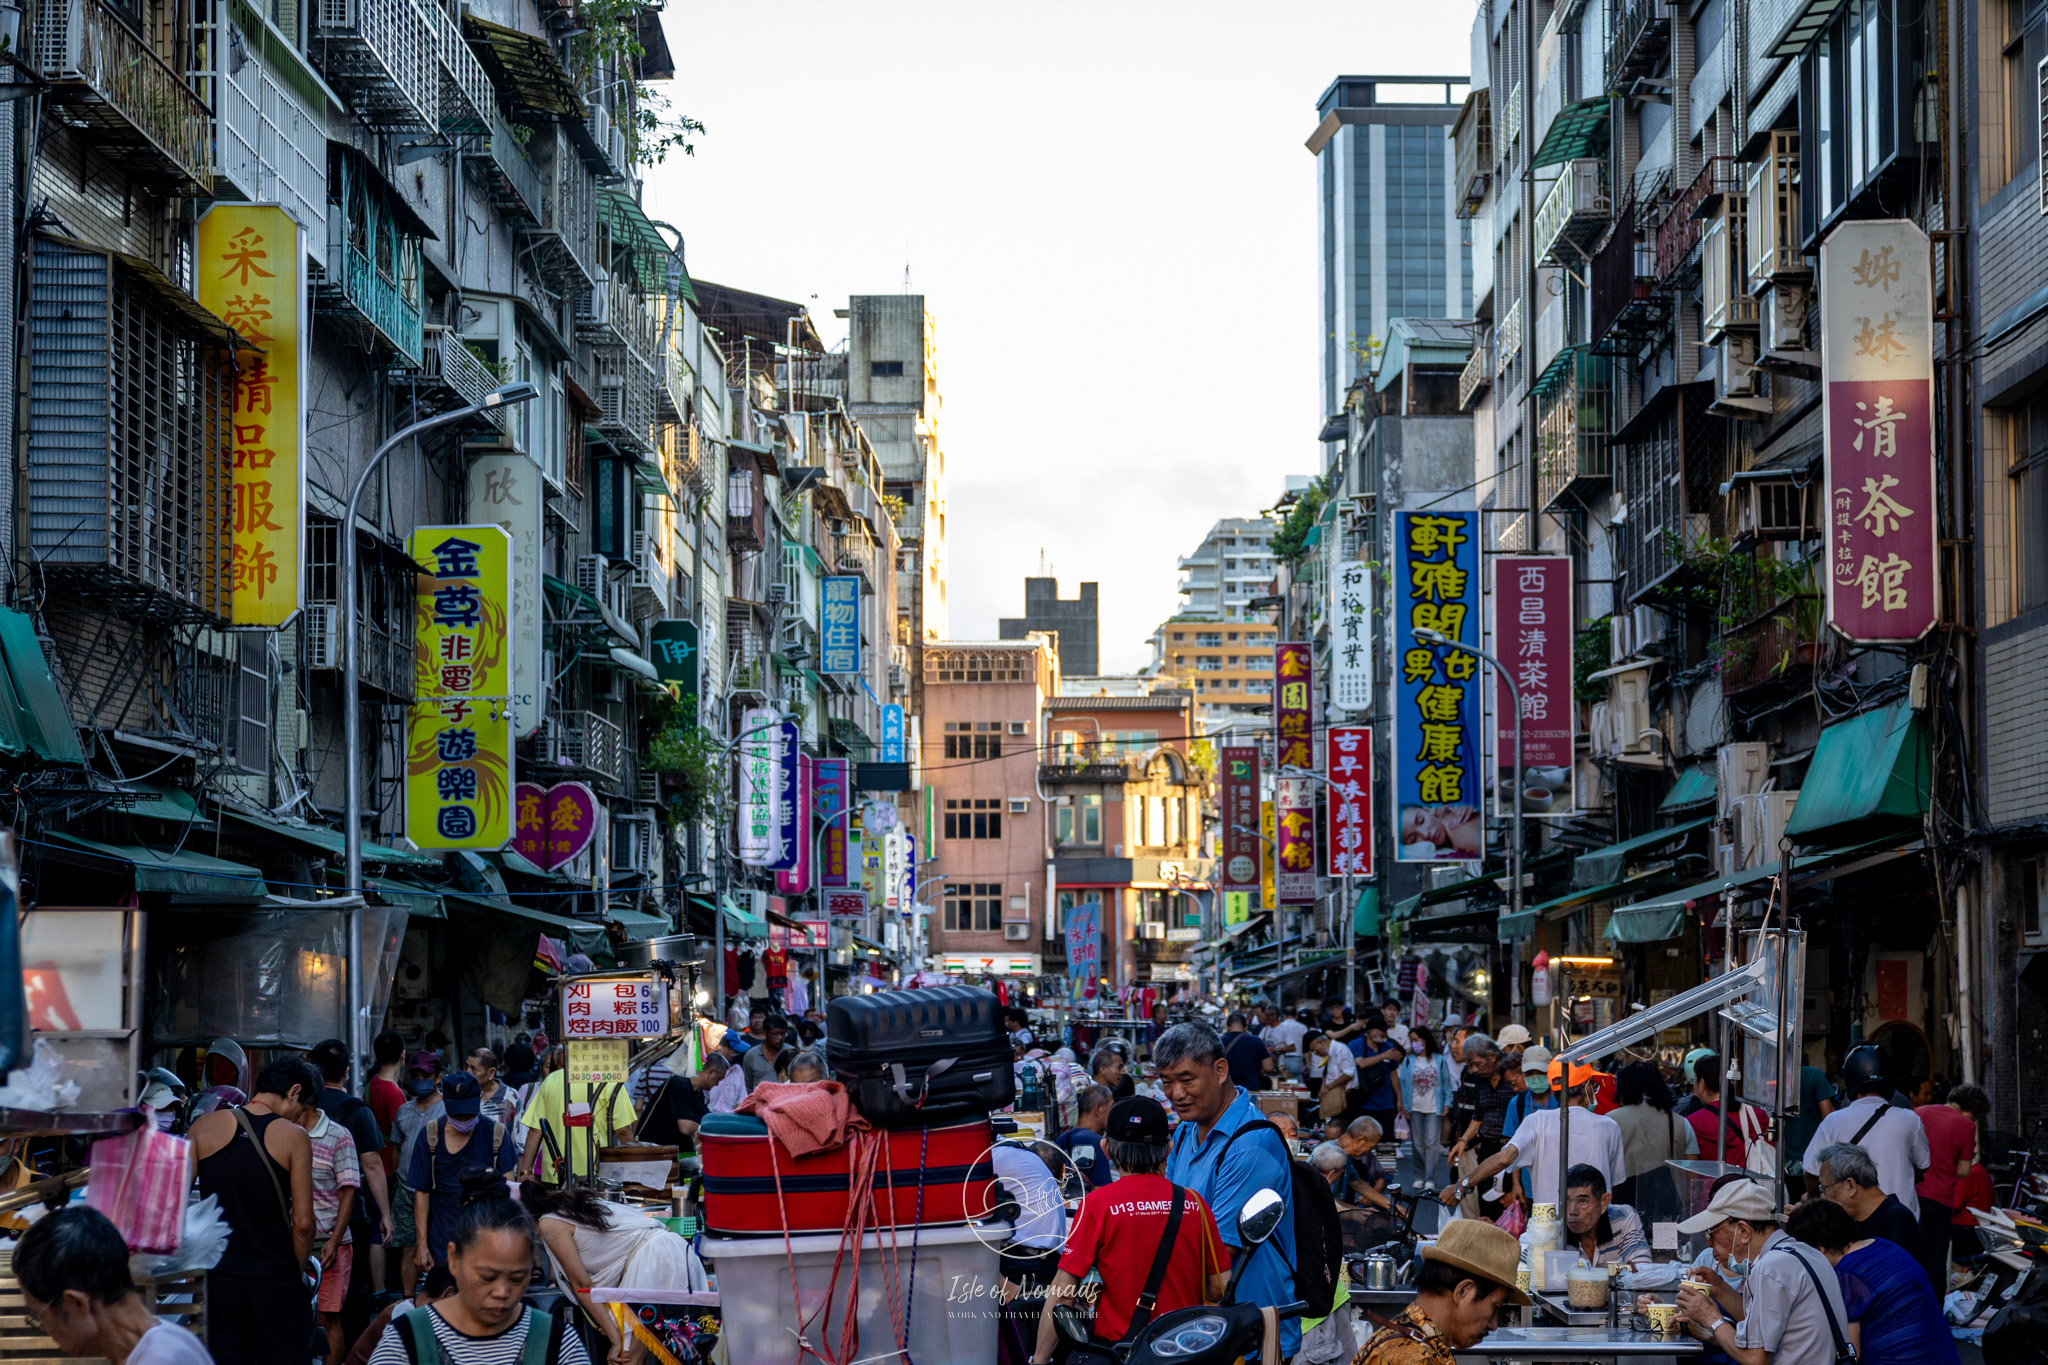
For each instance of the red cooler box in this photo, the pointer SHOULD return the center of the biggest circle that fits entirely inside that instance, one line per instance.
(742, 1195)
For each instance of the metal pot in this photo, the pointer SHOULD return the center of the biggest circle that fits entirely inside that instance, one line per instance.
(1379, 1271)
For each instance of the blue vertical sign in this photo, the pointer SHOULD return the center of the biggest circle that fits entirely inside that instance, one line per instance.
(1084, 949)
(1437, 770)
(910, 876)
(839, 624)
(892, 733)
(788, 808)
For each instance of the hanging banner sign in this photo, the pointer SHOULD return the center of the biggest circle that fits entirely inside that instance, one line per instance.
(1532, 635)
(850, 904)
(554, 824)
(1237, 908)
(250, 272)
(1877, 383)
(892, 733)
(895, 863)
(1294, 801)
(614, 1007)
(1351, 637)
(1269, 873)
(1293, 705)
(507, 489)
(759, 836)
(828, 799)
(1437, 768)
(1084, 949)
(1349, 764)
(796, 879)
(1240, 870)
(459, 762)
(673, 646)
(839, 624)
(788, 783)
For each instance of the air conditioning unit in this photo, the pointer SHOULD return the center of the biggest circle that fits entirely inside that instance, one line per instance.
(1018, 727)
(1783, 338)
(632, 843)
(1632, 737)
(898, 678)
(594, 307)
(1152, 929)
(1621, 636)
(323, 635)
(1020, 805)
(778, 593)
(1773, 509)
(620, 157)
(1651, 626)
(647, 575)
(1763, 817)
(1016, 933)
(1737, 387)
(756, 902)
(1740, 770)
(593, 575)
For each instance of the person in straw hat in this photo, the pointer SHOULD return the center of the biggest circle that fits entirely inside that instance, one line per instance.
(1461, 1284)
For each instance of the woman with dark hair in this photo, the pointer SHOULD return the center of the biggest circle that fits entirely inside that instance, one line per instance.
(484, 1322)
(1651, 1134)
(1894, 1316)
(1426, 1089)
(597, 1244)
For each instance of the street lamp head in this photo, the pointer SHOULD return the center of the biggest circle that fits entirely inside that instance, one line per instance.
(519, 392)
(1431, 637)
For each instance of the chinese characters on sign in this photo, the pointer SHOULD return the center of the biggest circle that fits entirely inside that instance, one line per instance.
(759, 835)
(673, 645)
(1241, 819)
(1532, 635)
(1084, 949)
(846, 904)
(614, 1007)
(1269, 897)
(788, 783)
(1293, 706)
(1350, 794)
(796, 880)
(1294, 811)
(1877, 371)
(1350, 638)
(892, 733)
(458, 769)
(250, 273)
(839, 624)
(507, 489)
(1437, 772)
(828, 799)
(553, 824)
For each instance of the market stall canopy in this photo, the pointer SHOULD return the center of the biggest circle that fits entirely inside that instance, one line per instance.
(1661, 916)
(1605, 865)
(1696, 786)
(583, 936)
(640, 926)
(741, 924)
(418, 900)
(153, 802)
(178, 872)
(329, 841)
(1868, 773)
(33, 718)
(1708, 996)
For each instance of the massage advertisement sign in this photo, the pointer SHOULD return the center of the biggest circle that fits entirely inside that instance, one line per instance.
(1437, 767)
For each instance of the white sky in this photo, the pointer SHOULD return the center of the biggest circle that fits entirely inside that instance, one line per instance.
(1112, 217)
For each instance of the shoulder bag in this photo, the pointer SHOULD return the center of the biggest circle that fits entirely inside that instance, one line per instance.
(1845, 1354)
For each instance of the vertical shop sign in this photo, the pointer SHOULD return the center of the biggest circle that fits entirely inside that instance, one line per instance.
(895, 862)
(1295, 813)
(251, 274)
(828, 799)
(839, 624)
(1293, 705)
(507, 489)
(1877, 377)
(1084, 949)
(1241, 819)
(788, 783)
(796, 879)
(459, 765)
(1269, 872)
(892, 733)
(1237, 907)
(1350, 637)
(758, 837)
(1349, 765)
(1437, 767)
(674, 647)
(1532, 636)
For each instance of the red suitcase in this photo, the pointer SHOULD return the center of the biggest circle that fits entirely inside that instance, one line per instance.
(929, 1175)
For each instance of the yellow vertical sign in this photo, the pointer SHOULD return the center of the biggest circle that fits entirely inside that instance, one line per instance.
(251, 274)
(1268, 899)
(458, 766)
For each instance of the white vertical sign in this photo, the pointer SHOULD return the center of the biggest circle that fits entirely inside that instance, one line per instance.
(507, 489)
(759, 835)
(1350, 637)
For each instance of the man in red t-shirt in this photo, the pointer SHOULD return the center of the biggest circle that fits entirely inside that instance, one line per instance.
(1706, 1088)
(1119, 1229)
(1952, 1145)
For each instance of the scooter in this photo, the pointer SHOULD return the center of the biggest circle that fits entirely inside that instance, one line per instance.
(1221, 1333)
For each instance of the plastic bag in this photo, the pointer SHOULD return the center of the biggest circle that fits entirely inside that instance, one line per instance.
(138, 1180)
(41, 1085)
(1514, 1220)
(204, 1241)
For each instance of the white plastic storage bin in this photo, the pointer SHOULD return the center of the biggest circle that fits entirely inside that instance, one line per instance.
(950, 1313)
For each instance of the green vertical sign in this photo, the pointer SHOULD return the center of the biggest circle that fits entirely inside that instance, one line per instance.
(674, 646)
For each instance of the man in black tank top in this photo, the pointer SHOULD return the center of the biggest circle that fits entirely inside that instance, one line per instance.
(258, 1162)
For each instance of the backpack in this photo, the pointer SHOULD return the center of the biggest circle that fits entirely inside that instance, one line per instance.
(431, 1135)
(543, 1344)
(1317, 1257)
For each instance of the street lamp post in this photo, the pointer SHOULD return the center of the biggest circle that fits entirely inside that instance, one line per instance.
(1279, 940)
(351, 695)
(718, 856)
(1347, 912)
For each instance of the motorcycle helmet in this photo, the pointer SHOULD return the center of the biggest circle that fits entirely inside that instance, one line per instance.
(217, 1097)
(161, 1089)
(1863, 1071)
(227, 1064)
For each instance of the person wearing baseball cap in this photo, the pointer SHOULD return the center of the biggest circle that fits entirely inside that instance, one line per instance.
(1461, 1284)
(1595, 1141)
(446, 1150)
(1535, 1093)
(1120, 1227)
(1791, 1311)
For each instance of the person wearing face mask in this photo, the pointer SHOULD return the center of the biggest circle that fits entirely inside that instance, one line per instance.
(1426, 1088)
(422, 1107)
(448, 1150)
(1790, 1311)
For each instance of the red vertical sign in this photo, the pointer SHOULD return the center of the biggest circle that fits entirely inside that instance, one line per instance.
(1532, 636)
(1349, 765)
(1293, 705)
(1241, 819)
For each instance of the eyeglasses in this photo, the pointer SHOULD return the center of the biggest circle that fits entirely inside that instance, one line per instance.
(34, 1317)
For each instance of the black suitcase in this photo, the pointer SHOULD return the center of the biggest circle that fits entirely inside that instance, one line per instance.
(919, 1058)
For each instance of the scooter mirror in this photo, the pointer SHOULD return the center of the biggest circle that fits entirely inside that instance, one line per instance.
(1259, 1217)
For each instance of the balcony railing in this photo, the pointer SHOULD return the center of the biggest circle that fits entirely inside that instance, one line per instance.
(467, 103)
(1626, 308)
(1678, 231)
(565, 235)
(382, 55)
(1783, 645)
(1508, 339)
(1472, 141)
(1638, 33)
(587, 742)
(625, 398)
(106, 78)
(1574, 213)
(509, 176)
(1573, 456)
(1477, 376)
(615, 313)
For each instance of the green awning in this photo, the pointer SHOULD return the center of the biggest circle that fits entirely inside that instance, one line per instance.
(1750, 880)
(1695, 787)
(180, 873)
(1578, 130)
(421, 902)
(631, 227)
(584, 936)
(1869, 773)
(330, 841)
(741, 924)
(1365, 915)
(1650, 922)
(1590, 895)
(1605, 865)
(1488, 882)
(1512, 927)
(1557, 371)
(639, 926)
(511, 860)
(525, 69)
(154, 801)
(33, 718)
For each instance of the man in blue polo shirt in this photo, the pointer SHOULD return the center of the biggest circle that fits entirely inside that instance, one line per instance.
(1196, 1078)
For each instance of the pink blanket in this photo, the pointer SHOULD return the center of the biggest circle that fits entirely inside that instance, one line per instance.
(807, 1117)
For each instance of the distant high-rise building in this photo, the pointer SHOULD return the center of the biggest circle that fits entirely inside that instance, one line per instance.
(1392, 243)
(1072, 621)
(1230, 567)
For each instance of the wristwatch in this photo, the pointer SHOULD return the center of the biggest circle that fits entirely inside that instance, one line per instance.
(1715, 1326)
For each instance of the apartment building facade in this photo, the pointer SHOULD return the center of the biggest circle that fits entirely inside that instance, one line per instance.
(1073, 622)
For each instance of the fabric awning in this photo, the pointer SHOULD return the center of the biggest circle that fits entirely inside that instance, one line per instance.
(525, 69)
(1512, 927)
(1868, 773)
(639, 926)
(584, 936)
(158, 802)
(183, 872)
(1695, 787)
(1605, 865)
(511, 860)
(421, 902)
(329, 841)
(1578, 130)
(1651, 922)
(33, 718)
(1572, 900)
(741, 924)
